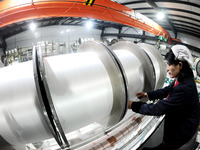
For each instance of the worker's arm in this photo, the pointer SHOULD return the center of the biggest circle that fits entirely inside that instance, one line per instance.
(160, 93)
(177, 100)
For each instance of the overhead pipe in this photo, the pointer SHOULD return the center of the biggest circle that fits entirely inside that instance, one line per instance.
(52, 96)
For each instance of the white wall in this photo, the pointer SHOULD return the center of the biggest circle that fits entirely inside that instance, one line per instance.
(68, 34)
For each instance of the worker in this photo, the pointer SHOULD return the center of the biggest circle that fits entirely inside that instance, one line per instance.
(179, 101)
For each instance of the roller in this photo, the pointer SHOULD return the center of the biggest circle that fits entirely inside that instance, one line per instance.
(52, 96)
(197, 66)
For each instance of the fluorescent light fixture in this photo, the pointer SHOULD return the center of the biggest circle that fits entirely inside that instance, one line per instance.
(68, 30)
(160, 15)
(32, 26)
(37, 35)
(89, 24)
(62, 32)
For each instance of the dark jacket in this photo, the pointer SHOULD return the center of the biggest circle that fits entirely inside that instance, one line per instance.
(181, 109)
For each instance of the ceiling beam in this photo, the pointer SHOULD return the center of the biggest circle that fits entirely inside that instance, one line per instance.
(175, 21)
(173, 15)
(57, 20)
(181, 10)
(155, 7)
(188, 27)
(64, 20)
(164, 8)
(186, 22)
(134, 2)
(130, 36)
(187, 32)
(179, 2)
(166, 1)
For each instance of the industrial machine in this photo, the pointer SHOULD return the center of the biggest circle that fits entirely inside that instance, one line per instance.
(197, 66)
(80, 97)
(77, 100)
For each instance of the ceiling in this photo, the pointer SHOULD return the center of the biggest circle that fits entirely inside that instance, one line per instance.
(19, 27)
(182, 16)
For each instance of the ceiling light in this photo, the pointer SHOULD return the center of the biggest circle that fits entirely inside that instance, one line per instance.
(36, 34)
(89, 24)
(160, 15)
(62, 32)
(32, 26)
(68, 30)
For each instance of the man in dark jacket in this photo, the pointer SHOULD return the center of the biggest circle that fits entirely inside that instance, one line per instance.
(181, 105)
